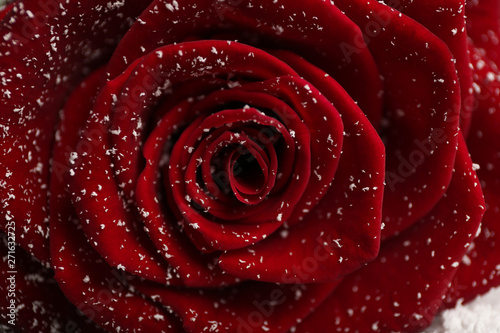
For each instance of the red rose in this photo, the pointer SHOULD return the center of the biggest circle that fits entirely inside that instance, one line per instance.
(242, 166)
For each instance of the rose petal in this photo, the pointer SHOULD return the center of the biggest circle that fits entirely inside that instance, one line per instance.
(131, 125)
(4, 9)
(421, 128)
(480, 268)
(109, 225)
(193, 267)
(174, 60)
(232, 120)
(218, 235)
(99, 291)
(143, 89)
(261, 100)
(248, 307)
(28, 119)
(403, 288)
(39, 305)
(339, 233)
(325, 127)
(483, 26)
(343, 54)
(446, 19)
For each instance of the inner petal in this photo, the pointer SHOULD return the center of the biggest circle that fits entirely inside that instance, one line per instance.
(212, 141)
(248, 174)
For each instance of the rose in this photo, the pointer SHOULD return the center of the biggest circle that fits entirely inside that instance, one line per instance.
(83, 161)
(179, 164)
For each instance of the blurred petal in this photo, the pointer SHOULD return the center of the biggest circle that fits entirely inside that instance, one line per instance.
(483, 26)
(39, 305)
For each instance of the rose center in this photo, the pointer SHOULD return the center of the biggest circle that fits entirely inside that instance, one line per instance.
(248, 175)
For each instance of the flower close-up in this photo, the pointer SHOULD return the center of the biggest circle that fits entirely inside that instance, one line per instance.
(247, 166)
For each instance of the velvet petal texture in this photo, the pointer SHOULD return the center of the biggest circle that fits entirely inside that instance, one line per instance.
(337, 227)
(480, 267)
(446, 19)
(248, 307)
(404, 287)
(38, 303)
(99, 291)
(277, 166)
(421, 129)
(28, 120)
(303, 26)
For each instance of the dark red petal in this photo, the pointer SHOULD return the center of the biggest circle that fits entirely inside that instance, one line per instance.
(446, 19)
(249, 307)
(230, 236)
(322, 34)
(326, 130)
(150, 80)
(340, 232)
(130, 124)
(99, 291)
(4, 9)
(68, 148)
(109, 225)
(288, 122)
(303, 26)
(323, 122)
(249, 188)
(39, 305)
(193, 267)
(94, 190)
(483, 26)
(403, 288)
(480, 269)
(421, 127)
(233, 120)
(36, 59)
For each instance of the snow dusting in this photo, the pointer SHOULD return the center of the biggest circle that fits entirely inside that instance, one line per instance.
(478, 316)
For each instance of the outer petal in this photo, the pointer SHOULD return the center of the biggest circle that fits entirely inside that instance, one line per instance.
(480, 268)
(483, 26)
(403, 288)
(100, 292)
(249, 307)
(37, 73)
(39, 305)
(98, 203)
(446, 19)
(302, 27)
(421, 127)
